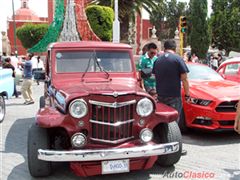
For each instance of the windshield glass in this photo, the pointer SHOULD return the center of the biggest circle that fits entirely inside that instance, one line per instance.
(81, 61)
(200, 72)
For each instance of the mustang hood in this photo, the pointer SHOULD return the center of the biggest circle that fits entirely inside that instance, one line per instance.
(215, 89)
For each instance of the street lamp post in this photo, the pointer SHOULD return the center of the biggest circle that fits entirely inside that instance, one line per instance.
(116, 24)
(14, 28)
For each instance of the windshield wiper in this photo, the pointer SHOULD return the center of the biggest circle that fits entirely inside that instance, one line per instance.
(94, 57)
(89, 61)
(101, 69)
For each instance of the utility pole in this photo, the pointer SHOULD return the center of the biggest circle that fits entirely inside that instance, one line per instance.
(116, 24)
(14, 28)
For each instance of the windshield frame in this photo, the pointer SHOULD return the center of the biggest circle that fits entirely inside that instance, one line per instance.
(91, 51)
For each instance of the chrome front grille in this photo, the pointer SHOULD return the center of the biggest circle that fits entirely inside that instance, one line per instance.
(112, 122)
(228, 106)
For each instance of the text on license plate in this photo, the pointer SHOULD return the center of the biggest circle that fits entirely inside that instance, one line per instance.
(116, 166)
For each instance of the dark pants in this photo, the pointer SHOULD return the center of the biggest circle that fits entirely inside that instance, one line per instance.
(174, 102)
(15, 93)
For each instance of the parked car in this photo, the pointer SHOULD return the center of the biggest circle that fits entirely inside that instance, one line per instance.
(213, 100)
(95, 116)
(6, 89)
(230, 69)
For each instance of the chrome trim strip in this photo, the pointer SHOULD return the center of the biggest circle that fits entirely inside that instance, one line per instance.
(108, 154)
(112, 105)
(112, 142)
(114, 94)
(116, 124)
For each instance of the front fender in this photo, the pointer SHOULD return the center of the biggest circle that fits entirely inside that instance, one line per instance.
(163, 114)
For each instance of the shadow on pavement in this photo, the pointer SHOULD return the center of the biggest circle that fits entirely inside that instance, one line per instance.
(16, 142)
(207, 138)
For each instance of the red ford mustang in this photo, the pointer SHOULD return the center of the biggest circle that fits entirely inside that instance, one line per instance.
(213, 100)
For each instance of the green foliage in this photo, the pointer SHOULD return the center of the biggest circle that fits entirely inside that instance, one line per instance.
(101, 21)
(29, 34)
(127, 10)
(199, 37)
(225, 24)
(53, 30)
(170, 11)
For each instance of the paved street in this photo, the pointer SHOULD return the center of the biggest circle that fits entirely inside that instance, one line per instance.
(217, 154)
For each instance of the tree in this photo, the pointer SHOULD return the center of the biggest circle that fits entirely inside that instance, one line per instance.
(127, 10)
(101, 21)
(225, 25)
(199, 37)
(165, 16)
(29, 34)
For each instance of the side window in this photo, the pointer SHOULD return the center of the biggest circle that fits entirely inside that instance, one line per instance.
(232, 69)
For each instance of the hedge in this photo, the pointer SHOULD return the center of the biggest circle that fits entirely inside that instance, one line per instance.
(101, 21)
(29, 34)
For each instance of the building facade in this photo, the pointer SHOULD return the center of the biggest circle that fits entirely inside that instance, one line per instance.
(22, 16)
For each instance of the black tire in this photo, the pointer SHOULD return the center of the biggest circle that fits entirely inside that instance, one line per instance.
(182, 122)
(42, 102)
(2, 108)
(166, 133)
(38, 139)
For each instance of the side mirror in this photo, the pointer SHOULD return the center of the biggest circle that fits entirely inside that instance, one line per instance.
(39, 75)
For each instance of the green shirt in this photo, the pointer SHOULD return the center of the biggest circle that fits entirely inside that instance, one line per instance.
(146, 62)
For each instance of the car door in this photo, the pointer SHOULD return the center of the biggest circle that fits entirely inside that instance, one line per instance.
(232, 71)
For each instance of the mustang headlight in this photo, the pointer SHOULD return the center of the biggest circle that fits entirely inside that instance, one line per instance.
(200, 102)
(144, 107)
(78, 108)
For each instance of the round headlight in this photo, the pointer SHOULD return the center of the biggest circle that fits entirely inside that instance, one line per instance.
(78, 140)
(146, 135)
(144, 107)
(78, 108)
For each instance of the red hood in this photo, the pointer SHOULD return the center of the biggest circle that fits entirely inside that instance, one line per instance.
(99, 86)
(215, 89)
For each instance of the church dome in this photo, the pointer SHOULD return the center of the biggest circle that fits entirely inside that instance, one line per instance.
(24, 13)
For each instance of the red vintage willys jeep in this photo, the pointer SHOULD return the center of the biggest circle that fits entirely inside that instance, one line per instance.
(95, 115)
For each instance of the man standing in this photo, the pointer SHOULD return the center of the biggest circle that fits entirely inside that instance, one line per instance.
(27, 80)
(170, 70)
(146, 64)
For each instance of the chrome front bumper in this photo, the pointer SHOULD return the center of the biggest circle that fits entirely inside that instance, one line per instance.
(107, 154)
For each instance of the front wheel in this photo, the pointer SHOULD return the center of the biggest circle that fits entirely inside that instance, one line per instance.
(38, 139)
(2, 108)
(166, 133)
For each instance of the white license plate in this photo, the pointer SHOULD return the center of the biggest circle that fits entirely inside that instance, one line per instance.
(116, 166)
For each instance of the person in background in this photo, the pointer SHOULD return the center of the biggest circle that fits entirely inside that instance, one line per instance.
(146, 62)
(194, 58)
(170, 70)
(14, 60)
(27, 80)
(8, 65)
(215, 62)
(237, 119)
(40, 66)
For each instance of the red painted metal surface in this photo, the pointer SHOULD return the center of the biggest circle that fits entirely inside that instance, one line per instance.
(224, 95)
(96, 88)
